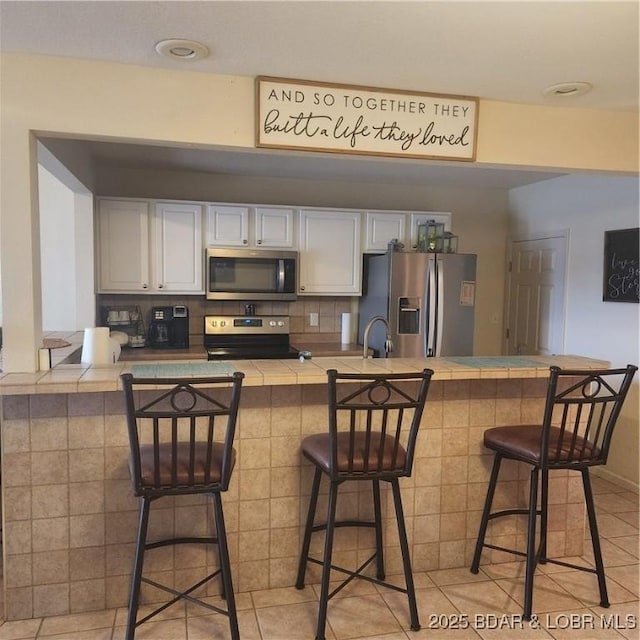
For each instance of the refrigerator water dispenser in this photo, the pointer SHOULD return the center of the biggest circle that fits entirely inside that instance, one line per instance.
(408, 315)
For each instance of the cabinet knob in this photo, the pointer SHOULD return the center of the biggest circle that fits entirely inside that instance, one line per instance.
(245, 242)
(144, 285)
(302, 288)
(259, 242)
(160, 286)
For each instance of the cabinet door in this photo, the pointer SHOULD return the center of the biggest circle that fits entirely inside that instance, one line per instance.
(330, 256)
(123, 245)
(178, 250)
(419, 218)
(274, 227)
(382, 227)
(227, 225)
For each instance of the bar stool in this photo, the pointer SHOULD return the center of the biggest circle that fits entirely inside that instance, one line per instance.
(581, 410)
(373, 425)
(181, 433)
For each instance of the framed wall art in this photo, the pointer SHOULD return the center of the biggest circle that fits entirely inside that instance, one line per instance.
(621, 266)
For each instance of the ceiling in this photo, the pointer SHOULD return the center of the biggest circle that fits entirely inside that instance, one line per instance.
(507, 51)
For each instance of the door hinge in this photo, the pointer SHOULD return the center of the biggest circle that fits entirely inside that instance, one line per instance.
(507, 334)
(510, 266)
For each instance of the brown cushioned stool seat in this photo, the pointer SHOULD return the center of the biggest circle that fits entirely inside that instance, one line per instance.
(581, 410)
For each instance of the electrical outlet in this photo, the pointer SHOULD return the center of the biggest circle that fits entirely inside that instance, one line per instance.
(313, 319)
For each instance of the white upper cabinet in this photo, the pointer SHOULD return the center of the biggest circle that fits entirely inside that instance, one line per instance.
(381, 227)
(426, 216)
(330, 255)
(147, 247)
(177, 248)
(227, 225)
(256, 227)
(123, 246)
(274, 227)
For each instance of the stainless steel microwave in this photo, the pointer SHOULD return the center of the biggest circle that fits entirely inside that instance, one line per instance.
(247, 274)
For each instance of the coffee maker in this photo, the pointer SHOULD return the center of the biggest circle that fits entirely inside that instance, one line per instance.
(169, 327)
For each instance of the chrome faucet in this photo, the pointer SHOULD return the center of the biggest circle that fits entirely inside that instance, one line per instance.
(388, 345)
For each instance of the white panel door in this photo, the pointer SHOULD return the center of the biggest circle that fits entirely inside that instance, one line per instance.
(274, 227)
(178, 251)
(330, 256)
(227, 225)
(535, 323)
(123, 245)
(381, 228)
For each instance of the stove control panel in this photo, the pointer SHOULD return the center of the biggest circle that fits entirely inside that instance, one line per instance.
(247, 325)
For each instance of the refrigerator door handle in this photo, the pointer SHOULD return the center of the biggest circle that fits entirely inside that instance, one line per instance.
(440, 307)
(431, 316)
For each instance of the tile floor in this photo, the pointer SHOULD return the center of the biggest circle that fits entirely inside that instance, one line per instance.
(453, 604)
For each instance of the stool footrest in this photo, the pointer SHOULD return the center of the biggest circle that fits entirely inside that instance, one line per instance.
(511, 512)
(168, 541)
(356, 574)
(498, 548)
(181, 595)
(343, 523)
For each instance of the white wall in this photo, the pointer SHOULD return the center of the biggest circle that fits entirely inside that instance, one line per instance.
(588, 206)
(66, 249)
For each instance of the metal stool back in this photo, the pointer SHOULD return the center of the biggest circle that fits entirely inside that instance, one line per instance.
(581, 411)
(181, 433)
(373, 426)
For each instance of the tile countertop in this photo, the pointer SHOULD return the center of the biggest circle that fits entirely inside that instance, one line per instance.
(80, 378)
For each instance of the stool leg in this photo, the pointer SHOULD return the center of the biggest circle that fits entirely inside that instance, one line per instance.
(308, 530)
(482, 531)
(531, 544)
(544, 516)
(326, 566)
(406, 561)
(595, 537)
(377, 510)
(225, 566)
(136, 577)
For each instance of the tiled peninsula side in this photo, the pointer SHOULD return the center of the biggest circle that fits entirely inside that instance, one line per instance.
(70, 519)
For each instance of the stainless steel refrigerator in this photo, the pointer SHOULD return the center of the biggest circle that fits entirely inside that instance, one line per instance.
(427, 300)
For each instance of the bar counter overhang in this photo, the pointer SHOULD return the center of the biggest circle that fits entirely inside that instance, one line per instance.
(70, 518)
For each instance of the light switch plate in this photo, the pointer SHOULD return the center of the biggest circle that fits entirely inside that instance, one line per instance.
(313, 319)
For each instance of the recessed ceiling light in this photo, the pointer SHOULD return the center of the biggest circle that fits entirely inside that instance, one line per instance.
(182, 49)
(568, 89)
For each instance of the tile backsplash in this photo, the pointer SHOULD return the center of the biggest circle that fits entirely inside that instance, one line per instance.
(329, 310)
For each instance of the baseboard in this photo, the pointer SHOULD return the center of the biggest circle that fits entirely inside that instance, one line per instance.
(605, 474)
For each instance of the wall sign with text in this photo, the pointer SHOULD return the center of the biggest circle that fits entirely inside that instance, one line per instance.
(299, 114)
(621, 282)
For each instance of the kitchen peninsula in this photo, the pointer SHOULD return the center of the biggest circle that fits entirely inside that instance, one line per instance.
(70, 517)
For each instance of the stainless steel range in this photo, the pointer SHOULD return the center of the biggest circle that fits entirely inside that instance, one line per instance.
(247, 337)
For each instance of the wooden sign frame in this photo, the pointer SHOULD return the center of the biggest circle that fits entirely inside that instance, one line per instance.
(349, 119)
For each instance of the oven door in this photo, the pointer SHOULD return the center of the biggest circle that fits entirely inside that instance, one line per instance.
(236, 274)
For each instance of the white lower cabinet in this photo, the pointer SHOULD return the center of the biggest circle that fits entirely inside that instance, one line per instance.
(330, 255)
(149, 247)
